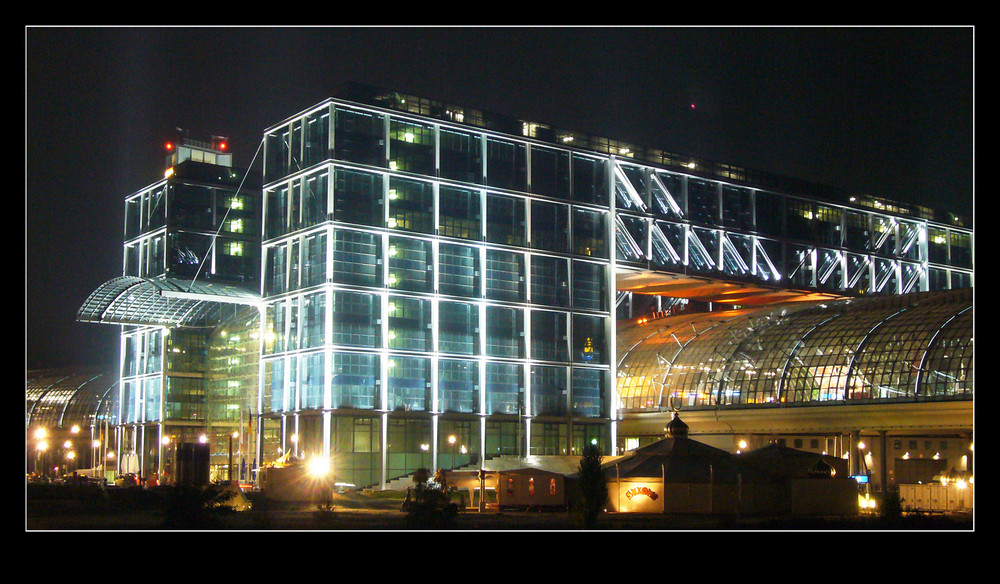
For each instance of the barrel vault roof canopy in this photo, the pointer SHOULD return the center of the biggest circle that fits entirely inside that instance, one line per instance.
(166, 302)
(874, 349)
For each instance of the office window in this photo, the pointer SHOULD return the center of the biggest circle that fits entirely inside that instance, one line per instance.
(588, 339)
(461, 156)
(459, 212)
(357, 198)
(737, 212)
(458, 328)
(410, 265)
(549, 281)
(355, 319)
(503, 388)
(590, 181)
(458, 385)
(505, 275)
(357, 258)
(587, 392)
(458, 267)
(314, 320)
(354, 380)
(548, 391)
(548, 335)
(857, 231)
(312, 380)
(549, 172)
(314, 199)
(409, 381)
(506, 164)
(275, 269)
(359, 137)
(276, 218)
(589, 286)
(504, 332)
(703, 202)
(411, 205)
(314, 260)
(411, 147)
(590, 233)
(409, 323)
(505, 220)
(549, 226)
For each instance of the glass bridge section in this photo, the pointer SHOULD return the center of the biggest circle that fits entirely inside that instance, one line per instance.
(744, 245)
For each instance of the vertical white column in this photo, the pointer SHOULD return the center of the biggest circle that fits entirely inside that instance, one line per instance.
(611, 321)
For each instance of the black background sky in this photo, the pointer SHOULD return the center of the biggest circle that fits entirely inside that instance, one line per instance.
(879, 110)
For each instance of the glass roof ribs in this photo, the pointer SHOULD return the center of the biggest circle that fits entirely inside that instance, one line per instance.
(130, 300)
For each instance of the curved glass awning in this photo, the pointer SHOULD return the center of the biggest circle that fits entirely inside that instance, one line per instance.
(130, 300)
(869, 349)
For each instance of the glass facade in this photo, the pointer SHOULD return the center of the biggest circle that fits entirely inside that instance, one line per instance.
(179, 383)
(464, 286)
(439, 286)
(873, 350)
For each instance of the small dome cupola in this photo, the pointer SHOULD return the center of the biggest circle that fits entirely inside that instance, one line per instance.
(676, 428)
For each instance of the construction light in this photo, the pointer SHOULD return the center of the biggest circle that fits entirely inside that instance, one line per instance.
(318, 467)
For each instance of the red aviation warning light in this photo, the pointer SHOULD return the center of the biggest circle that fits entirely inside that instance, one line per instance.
(220, 143)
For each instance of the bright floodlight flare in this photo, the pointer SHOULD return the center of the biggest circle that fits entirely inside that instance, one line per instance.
(318, 467)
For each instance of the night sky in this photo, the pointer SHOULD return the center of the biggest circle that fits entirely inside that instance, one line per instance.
(882, 111)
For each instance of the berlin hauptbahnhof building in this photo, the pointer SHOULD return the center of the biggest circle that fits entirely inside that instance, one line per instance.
(410, 284)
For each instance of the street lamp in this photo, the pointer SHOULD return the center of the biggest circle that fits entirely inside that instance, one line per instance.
(231, 436)
(451, 440)
(40, 449)
(94, 445)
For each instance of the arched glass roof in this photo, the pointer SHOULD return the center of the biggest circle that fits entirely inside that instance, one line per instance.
(130, 300)
(904, 348)
(61, 398)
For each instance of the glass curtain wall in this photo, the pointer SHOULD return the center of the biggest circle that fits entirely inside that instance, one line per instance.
(684, 223)
(432, 293)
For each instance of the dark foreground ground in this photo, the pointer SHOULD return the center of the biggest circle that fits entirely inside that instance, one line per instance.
(71, 508)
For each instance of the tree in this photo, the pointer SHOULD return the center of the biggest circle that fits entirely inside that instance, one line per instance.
(427, 504)
(593, 485)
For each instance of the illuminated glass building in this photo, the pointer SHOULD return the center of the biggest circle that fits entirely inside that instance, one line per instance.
(442, 284)
(187, 306)
(434, 286)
